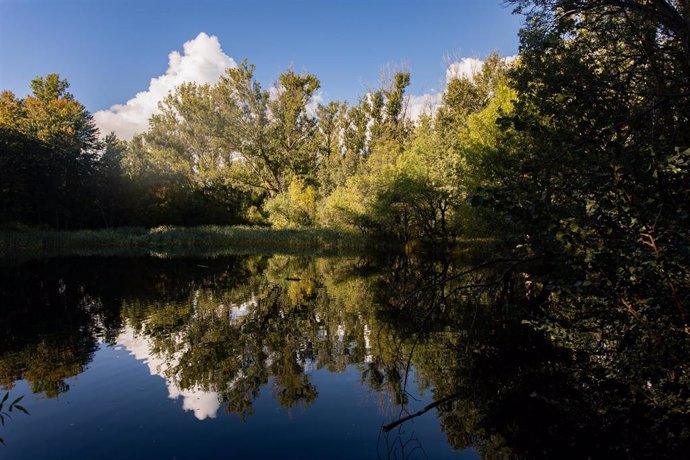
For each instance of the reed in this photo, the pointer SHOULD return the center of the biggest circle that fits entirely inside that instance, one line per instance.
(181, 239)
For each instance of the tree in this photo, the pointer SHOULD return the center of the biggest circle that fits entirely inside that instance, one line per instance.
(591, 173)
(294, 208)
(293, 126)
(53, 116)
(271, 136)
(112, 184)
(604, 93)
(50, 143)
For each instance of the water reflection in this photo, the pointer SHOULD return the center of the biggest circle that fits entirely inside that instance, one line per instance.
(222, 332)
(202, 403)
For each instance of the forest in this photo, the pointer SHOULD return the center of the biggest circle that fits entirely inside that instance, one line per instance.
(572, 160)
(583, 137)
(576, 152)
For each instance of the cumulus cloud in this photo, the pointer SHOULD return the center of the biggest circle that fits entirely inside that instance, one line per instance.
(201, 61)
(464, 68)
(427, 104)
(314, 102)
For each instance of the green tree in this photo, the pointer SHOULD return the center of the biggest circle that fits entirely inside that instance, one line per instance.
(49, 156)
(604, 94)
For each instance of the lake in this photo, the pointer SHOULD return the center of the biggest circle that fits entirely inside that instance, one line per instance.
(276, 356)
(246, 357)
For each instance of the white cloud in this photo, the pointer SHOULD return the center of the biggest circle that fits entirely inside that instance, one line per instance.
(428, 103)
(314, 102)
(425, 104)
(464, 68)
(202, 61)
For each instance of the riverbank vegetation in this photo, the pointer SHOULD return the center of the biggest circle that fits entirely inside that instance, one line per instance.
(235, 153)
(576, 155)
(209, 239)
(578, 152)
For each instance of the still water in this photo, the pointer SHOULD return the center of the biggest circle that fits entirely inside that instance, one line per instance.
(277, 356)
(224, 357)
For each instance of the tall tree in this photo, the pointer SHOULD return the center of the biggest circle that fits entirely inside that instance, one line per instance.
(593, 168)
(49, 153)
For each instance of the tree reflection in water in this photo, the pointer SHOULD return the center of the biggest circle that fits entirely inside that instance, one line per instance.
(510, 381)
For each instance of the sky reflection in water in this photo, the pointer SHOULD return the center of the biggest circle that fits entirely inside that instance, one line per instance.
(220, 358)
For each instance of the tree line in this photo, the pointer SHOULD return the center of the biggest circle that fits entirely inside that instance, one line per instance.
(579, 150)
(235, 152)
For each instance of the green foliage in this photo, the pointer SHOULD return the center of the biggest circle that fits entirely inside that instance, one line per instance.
(592, 173)
(415, 186)
(234, 152)
(599, 178)
(215, 152)
(293, 208)
(164, 239)
(47, 156)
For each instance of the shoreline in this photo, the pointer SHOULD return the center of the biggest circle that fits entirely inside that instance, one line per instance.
(181, 240)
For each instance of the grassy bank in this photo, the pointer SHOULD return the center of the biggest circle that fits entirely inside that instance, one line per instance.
(203, 239)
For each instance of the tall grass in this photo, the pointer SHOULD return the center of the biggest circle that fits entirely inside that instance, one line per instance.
(181, 239)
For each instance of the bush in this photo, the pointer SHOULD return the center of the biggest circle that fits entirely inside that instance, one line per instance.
(294, 208)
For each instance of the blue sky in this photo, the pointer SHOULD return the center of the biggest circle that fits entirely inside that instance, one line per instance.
(110, 50)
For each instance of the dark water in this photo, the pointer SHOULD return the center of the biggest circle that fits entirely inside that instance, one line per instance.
(280, 357)
(243, 357)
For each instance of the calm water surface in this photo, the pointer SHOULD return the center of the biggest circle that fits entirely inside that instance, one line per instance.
(293, 357)
(224, 357)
